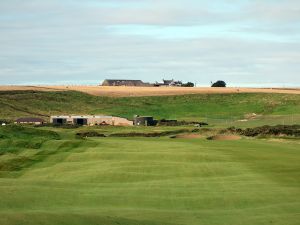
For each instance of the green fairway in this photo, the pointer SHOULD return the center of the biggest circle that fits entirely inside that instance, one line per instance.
(147, 181)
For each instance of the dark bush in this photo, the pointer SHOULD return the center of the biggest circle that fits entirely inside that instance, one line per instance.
(288, 130)
(165, 122)
(154, 134)
(219, 83)
(90, 134)
(188, 84)
(64, 126)
(4, 121)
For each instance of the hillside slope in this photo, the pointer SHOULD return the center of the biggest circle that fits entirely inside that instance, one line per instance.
(15, 104)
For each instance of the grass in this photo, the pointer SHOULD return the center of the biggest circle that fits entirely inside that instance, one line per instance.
(149, 181)
(16, 138)
(221, 109)
(50, 176)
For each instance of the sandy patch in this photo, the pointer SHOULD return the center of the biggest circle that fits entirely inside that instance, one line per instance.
(149, 91)
(224, 137)
(188, 136)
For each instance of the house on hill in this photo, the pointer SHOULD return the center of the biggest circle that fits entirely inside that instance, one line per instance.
(169, 83)
(130, 83)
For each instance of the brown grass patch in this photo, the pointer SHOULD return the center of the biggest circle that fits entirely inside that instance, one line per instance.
(224, 138)
(148, 91)
(188, 136)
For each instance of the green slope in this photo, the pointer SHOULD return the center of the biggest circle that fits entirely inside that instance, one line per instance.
(272, 108)
(152, 181)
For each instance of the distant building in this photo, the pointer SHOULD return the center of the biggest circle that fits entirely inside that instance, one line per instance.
(131, 83)
(30, 120)
(169, 83)
(144, 121)
(90, 120)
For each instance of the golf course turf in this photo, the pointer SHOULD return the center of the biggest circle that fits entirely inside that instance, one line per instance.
(150, 181)
(161, 175)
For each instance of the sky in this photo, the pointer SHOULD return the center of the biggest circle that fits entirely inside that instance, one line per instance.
(243, 42)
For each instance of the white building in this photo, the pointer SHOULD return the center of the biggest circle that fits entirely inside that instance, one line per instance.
(91, 120)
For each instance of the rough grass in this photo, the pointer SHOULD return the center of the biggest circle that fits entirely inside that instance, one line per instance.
(14, 140)
(152, 181)
(14, 137)
(48, 176)
(213, 108)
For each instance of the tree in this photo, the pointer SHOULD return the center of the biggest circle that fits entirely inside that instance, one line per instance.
(188, 84)
(219, 83)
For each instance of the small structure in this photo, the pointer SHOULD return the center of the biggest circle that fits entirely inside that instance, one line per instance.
(130, 83)
(60, 120)
(144, 121)
(90, 120)
(169, 83)
(30, 120)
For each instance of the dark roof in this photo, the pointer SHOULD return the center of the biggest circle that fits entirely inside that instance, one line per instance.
(30, 120)
(168, 81)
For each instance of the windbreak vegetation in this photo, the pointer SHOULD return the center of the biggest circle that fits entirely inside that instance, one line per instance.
(279, 130)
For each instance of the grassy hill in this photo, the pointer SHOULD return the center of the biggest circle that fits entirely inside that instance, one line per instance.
(270, 108)
(48, 175)
(147, 181)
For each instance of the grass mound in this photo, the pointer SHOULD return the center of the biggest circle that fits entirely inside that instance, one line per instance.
(153, 134)
(14, 138)
(144, 133)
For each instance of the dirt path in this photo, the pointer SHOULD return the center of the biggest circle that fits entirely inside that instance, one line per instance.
(149, 91)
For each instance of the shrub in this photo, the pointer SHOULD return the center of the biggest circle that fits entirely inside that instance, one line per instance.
(219, 83)
(188, 84)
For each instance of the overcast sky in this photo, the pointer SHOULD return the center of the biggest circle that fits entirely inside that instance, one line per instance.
(244, 42)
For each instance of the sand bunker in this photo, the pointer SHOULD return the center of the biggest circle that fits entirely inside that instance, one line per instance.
(188, 136)
(224, 137)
